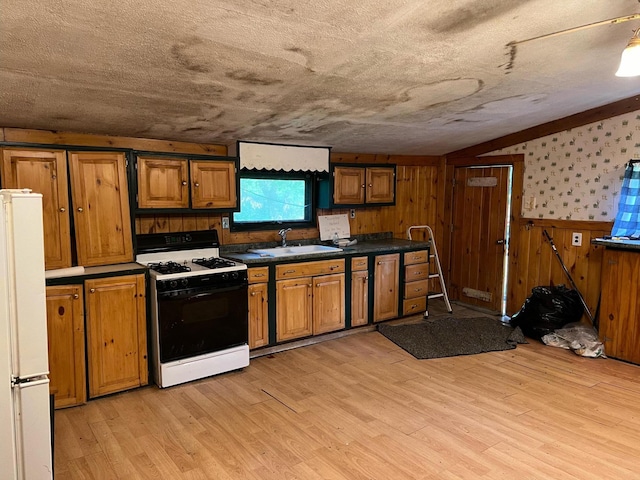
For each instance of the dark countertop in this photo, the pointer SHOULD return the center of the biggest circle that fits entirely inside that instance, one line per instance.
(619, 243)
(366, 247)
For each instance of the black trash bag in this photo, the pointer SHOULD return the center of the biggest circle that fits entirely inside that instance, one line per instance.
(548, 309)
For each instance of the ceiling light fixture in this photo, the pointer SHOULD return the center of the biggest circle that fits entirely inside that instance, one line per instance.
(630, 61)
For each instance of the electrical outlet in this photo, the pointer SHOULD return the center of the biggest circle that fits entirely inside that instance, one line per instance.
(225, 222)
(576, 239)
(352, 213)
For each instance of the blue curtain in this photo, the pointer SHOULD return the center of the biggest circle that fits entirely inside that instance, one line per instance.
(627, 222)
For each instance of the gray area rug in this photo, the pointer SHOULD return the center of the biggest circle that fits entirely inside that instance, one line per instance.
(448, 337)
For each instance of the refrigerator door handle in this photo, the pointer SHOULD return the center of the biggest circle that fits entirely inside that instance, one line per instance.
(28, 382)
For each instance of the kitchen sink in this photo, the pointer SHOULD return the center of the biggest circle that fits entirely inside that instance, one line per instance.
(292, 251)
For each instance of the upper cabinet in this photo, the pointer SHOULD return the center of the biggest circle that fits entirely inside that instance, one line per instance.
(358, 186)
(101, 207)
(45, 172)
(177, 182)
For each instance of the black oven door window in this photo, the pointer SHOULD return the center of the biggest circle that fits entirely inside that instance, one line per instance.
(192, 324)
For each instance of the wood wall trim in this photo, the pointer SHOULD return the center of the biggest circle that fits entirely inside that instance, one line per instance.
(407, 160)
(490, 161)
(565, 224)
(583, 118)
(19, 135)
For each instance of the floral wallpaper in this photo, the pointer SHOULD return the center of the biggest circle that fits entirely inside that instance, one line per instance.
(577, 174)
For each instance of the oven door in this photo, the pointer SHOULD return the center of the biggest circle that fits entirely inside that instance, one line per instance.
(196, 322)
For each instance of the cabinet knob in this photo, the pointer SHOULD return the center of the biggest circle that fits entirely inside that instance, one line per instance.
(379, 263)
(80, 209)
(196, 184)
(92, 290)
(363, 185)
(62, 209)
(76, 296)
(370, 185)
(184, 182)
(253, 294)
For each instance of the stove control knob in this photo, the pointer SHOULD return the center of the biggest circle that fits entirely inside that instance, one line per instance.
(184, 282)
(173, 283)
(187, 237)
(225, 276)
(234, 275)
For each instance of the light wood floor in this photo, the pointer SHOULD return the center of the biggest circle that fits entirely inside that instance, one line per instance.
(361, 408)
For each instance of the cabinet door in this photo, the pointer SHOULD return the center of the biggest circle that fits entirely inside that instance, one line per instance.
(45, 172)
(619, 327)
(359, 298)
(348, 185)
(101, 208)
(380, 185)
(116, 334)
(328, 303)
(386, 277)
(213, 184)
(65, 329)
(163, 182)
(294, 308)
(258, 315)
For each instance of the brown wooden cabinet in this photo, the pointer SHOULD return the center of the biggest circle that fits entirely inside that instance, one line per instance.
(416, 282)
(116, 334)
(310, 298)
(101, 207)
(360, 185)
(258, 307)
(385, 286)
(163, 182)
(213, 184)
(619, 319)
(65, 329)
(359, 291)
(45, 172)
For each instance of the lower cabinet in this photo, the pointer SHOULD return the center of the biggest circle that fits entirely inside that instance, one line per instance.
(416, 282)
(310, 298)
(619, 324)
(359, 291)
(116, 334)
(258, 307)
(385, 287)
(65, 327)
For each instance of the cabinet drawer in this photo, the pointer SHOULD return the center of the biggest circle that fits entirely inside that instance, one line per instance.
(415, 257)
(415, 289)
(258, 274)
(414, 305)
(310, 269)
(419, 271)
(358, 264)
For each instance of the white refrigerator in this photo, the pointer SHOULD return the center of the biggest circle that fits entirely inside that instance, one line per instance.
(25, 428)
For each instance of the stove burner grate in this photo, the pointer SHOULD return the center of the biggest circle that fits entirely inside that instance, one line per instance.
(213, 262)
(166, 268)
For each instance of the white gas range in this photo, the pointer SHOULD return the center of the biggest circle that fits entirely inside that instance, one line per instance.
(199, 311)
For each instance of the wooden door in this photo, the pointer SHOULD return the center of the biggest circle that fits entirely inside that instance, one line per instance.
(480, 202)
(385, 287)
(348, 185)
(258, 315)
(45, 172)
(116, 334)
(619, 317)
(294, 309)
(163, 182)
(213, 184)
(101, 208)
(328, 303)
(359, 298)
(65, 333)
(380, 184)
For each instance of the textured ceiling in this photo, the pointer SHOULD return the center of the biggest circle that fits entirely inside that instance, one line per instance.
(384, 76)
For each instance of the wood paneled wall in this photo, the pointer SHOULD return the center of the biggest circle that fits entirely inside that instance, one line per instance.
(536, 264)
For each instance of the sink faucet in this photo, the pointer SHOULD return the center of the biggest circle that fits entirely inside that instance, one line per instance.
(283, 234)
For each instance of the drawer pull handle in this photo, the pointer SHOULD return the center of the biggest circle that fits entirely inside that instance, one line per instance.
(259, 275)
(289, 271)
(333, 267)
(418, 290)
